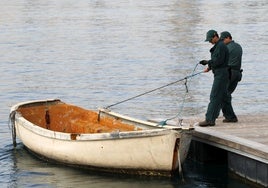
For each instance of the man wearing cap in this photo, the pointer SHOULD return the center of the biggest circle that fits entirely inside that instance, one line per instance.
(235, 71)
(219, 66)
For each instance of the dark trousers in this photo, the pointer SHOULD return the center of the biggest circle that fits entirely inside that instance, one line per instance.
(218, 94)
(235, 77)
(227, 109)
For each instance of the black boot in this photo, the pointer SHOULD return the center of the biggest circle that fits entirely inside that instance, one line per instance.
(232, 120)
(206, 123)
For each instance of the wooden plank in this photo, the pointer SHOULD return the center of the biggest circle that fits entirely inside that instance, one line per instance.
(249, 136)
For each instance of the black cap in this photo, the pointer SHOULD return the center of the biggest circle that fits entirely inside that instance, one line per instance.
(225, 34)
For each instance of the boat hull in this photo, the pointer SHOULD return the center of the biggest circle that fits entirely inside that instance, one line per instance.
(154, 151)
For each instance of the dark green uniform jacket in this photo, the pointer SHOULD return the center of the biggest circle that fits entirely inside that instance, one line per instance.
(235, 55)
(219, 56)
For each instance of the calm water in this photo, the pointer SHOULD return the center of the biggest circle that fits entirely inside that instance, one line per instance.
(96, 53)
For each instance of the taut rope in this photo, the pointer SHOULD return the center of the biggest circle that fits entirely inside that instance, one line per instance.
(150, 91)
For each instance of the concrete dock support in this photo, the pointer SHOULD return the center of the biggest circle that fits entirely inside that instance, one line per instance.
(248, 169)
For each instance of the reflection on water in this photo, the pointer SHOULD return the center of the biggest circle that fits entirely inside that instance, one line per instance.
(48, 175)
(29, 171)
(96, 53)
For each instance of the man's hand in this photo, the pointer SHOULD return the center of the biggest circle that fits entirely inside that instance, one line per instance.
(203, 62)
(206, 69)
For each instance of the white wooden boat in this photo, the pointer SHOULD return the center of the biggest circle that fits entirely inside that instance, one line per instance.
(101, 140)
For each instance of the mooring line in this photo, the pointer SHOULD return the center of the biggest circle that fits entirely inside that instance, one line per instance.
(13, 127)
(150, 91)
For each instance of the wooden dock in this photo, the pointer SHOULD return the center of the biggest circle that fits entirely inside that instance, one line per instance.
(246, 144)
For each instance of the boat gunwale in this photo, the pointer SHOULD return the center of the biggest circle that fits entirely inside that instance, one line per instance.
(21, 104)
(142, 122)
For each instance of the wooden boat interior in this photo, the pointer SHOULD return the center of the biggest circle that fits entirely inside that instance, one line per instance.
(62, 117)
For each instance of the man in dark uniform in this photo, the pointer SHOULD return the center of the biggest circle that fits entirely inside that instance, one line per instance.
(235, 72)
(219, 66)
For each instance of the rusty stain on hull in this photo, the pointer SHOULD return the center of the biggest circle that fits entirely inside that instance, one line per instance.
(68, 118)
(73, 136)
(175, 154)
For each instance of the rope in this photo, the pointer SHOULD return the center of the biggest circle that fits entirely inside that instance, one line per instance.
(13, 127)
(184, 98)
(150, 91)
